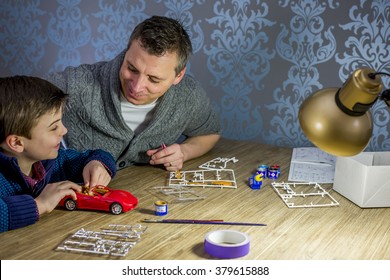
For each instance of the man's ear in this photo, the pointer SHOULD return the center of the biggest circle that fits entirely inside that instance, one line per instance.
(14, 143)
(179, 76)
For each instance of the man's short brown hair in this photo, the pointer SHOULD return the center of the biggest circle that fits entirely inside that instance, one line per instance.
(159, 35)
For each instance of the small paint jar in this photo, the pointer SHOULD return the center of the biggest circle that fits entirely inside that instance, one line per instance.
(160, 208)
(273, 173)
(263, 170)
(276, 167)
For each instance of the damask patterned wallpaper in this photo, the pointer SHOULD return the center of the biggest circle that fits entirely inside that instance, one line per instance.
(257, 59)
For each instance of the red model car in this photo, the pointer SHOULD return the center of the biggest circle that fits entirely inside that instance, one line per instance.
(101, 198)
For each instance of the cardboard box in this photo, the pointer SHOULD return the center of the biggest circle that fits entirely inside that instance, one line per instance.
(364, 179)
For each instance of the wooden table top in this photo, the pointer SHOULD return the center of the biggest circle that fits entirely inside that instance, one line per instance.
(341, 232)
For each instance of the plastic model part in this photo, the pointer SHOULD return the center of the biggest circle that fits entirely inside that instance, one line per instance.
(116, 240)
(218, 163)
(310, 194)
(223, 178)
(101, 198)
(180, 193)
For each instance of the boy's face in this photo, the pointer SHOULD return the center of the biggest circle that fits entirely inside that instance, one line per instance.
(145, 77)
(46, 137)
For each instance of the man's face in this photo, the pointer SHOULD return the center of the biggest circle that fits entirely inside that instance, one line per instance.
(145, 77)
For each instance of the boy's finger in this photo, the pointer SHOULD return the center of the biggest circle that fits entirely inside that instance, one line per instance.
(94, 179)
(72, 194)
(76, 187)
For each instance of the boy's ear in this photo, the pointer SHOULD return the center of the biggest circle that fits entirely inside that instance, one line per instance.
(14, 143)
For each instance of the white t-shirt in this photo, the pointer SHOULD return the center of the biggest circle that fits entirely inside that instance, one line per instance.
(137, 117)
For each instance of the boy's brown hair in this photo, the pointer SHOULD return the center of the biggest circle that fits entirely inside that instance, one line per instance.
(23, 100)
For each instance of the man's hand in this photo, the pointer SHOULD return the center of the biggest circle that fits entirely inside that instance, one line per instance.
(174, 156)
(171, 157)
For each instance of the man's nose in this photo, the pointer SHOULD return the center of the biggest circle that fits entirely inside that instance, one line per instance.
(138, 83)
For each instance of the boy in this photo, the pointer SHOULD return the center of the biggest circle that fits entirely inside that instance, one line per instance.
(35, 174)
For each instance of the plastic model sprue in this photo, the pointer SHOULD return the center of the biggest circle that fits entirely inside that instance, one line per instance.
(212, 174)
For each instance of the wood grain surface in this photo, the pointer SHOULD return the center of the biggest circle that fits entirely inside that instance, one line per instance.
(342, 232)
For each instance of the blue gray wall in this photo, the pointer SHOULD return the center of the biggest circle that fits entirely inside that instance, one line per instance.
(257, 59)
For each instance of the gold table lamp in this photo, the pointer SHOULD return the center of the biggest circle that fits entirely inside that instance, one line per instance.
(338, 120)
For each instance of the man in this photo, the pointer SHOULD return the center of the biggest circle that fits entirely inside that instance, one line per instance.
(141, 101)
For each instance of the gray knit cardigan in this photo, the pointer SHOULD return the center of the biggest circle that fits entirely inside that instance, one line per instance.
(94, 120)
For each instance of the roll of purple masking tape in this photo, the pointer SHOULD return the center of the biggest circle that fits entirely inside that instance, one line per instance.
(226, 244)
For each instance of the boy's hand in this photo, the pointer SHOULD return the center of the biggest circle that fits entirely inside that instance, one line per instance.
(53, 193)
(95, 173)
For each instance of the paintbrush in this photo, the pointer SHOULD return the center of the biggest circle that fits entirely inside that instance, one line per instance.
(206, 222)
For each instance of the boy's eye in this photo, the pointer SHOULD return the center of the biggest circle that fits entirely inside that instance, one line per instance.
(54, 128)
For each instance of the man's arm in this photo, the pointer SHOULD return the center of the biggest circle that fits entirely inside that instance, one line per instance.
(197, 146)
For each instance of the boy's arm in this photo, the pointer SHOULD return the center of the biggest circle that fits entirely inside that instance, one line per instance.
(106, 159)
(17, 211)
(70, 164)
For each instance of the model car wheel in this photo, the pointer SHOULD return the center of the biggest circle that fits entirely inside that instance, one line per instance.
(70, 204)
(116, 208)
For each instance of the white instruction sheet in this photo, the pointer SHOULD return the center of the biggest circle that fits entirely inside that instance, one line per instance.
(310, 164)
